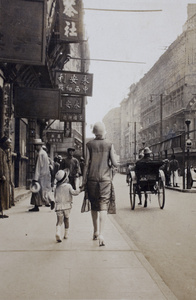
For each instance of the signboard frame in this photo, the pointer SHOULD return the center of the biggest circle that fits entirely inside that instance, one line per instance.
(70, 21)
(23, 38)
(29, 103)
(74, 83)
(72, 109)
(55, 139)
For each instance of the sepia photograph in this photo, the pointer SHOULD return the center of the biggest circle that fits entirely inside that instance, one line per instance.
(98, 149)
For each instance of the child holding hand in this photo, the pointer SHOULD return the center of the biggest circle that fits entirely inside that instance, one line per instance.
(63, 202)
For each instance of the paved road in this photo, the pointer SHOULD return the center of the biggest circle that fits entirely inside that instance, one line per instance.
(166, 237)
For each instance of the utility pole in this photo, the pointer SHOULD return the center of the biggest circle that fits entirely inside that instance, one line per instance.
(161, 117)
(135, 141)
(188, 174)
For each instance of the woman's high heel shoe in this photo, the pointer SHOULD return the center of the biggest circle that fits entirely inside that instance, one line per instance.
(101, 241)
(95, 235)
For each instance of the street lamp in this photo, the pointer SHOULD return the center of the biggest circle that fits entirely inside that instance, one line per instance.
(188, 146)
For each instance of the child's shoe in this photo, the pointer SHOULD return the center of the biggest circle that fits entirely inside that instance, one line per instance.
(66, 234)
(58, 234)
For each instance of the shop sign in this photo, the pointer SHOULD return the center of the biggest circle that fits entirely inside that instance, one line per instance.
(54, 137)
(74, 83)
(35, 103)
(71, 118)
(22, 37)
(70, 20)
(71, 109)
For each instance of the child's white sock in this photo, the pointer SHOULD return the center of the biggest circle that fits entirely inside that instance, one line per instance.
(58, 234)
(66, 233)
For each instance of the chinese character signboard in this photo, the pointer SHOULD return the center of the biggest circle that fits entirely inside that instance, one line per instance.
(34, 103)
(70, 20)
(74, 83)
(22, 37)
(72, 109)
(54, 137)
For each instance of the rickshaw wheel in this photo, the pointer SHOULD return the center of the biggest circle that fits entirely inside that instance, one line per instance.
(161, 194)
(132, 195)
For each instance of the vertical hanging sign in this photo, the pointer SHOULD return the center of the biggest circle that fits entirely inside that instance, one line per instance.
(70, 20)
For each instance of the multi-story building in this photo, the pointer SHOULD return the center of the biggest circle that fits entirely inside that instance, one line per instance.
(112, 124)
(163, 100)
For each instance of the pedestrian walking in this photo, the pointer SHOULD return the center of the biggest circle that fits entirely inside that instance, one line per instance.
(51, 162)
(43, 177)
(82, 164)
(51, 168)
(174, 167)
(60, 159)
(166, 169)
(56, 168)
(64, 193)
(5, 195)
(97, 180)
(128, 175)
(72, 163)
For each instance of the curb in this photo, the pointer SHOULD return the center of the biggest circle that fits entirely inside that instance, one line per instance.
(180, 190)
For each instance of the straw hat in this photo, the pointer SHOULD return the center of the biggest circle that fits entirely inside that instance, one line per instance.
(62, 175)
(35, 187)
(147, 150)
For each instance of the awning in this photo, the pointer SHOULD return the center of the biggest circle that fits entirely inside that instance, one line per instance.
(173, 143)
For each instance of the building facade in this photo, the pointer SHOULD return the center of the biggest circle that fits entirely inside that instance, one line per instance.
(112, 124)
(38, 39)
(163, 100)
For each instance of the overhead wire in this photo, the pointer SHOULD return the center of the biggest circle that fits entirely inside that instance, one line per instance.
(124, 10)
(118, 10)
(109, 60)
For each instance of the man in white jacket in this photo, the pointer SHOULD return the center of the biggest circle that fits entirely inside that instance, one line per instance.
(43, 177)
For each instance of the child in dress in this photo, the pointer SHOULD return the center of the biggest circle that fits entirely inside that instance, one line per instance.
(63, 202)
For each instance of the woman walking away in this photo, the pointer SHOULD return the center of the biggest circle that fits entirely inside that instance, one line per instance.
(63, 202)
(97, 179)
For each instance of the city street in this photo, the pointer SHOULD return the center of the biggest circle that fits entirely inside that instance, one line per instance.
(86, 88)
(149, 254)
(35, 267)
(167, 237)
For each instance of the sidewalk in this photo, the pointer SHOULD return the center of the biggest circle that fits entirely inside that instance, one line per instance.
(34, 266)
(180, 188)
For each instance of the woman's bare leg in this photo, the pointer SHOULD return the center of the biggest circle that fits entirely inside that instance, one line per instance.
(102, 220)
(94, 215)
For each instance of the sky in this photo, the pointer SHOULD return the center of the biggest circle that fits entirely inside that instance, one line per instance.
(139, 38)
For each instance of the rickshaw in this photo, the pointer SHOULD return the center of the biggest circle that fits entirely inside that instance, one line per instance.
(146, 179)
